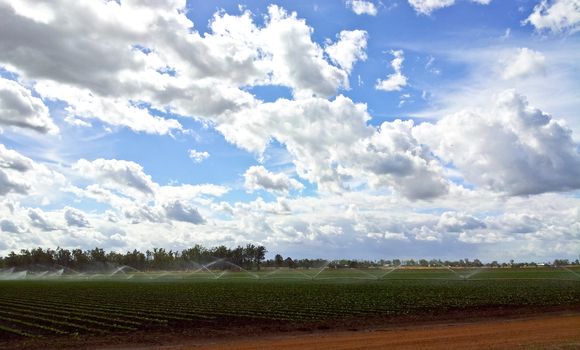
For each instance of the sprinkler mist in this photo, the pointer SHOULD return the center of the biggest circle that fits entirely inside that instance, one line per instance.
(460, 276)
(392, 269)
(324, 267)
(571, 271)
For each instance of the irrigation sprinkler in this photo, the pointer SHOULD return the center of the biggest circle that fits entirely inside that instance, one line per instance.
(571, 271)
(388, 272)
(322, 269)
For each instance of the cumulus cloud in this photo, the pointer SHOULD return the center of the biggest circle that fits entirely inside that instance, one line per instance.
(132, 72)
(38, 219)
(83, 104)
(188, 191)
(126, 188)
(9, 226)
(258, 178)
(198, 156)
(297, 61)
(20, 109)
(517, 223)
(393, 157)
(396, 80)
(21, 175)
(180, 211)
(138, 213)
(556, 16)
(124, 176)
(8, 185)
(459, 222)
(10, 159)
(426, 7)
(362, 7)
(348, 49)
(75, 217)
(531, 152)
(331, 145)
(525, 63)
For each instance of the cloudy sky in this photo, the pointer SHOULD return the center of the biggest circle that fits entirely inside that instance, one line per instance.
(334, 129)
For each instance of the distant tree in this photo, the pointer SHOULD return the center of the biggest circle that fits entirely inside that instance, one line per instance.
(278, 260)
(561, 262)
(259, 255)
(115, 258)
(220, 252)
(135, 259)
(98, 255)
(80, 259)
(63, 257)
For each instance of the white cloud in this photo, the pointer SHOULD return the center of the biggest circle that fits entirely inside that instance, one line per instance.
(393, 157)
(179, 211)
(531, 152)
(348, 49)
(10, 185)
(21, 175)
(83, 104)
(332, 145)
(188, 192)
(20, 109)
(396, 80)
(362, 7)
(459, 222)
(143, 60)
(556, 16)
(38, 219)
(258, 178)
(198, 156)
(75, 217)
(126, 188)
(10, 159)
(525, 63)
(426, 7)
(484, 68)
(124, 176)
(9, 226)
(296, 60)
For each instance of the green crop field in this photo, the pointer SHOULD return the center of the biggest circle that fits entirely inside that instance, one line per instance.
(105, 304)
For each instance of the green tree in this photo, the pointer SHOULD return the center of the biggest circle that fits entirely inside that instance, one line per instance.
(278, 260)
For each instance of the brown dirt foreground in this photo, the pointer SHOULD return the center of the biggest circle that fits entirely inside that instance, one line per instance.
(549, 332)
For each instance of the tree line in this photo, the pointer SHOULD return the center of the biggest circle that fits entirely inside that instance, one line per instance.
(279, 261)
(249, 257)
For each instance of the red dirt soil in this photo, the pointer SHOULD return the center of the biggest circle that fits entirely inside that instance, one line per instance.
(553, 331)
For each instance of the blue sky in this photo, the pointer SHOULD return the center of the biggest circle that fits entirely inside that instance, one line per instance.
(334, 129)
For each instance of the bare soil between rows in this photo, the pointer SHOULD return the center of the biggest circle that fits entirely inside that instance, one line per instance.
(474, 328)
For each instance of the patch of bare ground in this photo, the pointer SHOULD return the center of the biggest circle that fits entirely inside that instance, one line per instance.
(556, 332)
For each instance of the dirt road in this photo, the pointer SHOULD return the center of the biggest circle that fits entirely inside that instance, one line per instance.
(556, 332)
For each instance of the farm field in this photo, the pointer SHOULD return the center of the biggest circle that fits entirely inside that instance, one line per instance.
(36, 311)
